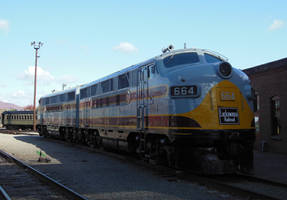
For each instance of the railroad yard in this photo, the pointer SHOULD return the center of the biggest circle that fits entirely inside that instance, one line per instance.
(97, 174)
(143, 100)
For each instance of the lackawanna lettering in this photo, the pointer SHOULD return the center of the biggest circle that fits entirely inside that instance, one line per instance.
(229, 114)
(228, 119)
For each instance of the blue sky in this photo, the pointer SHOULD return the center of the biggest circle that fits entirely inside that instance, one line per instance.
(86, 40)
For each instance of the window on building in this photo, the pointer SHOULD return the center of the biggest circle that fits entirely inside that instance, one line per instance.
(275, 115)
(256, 103)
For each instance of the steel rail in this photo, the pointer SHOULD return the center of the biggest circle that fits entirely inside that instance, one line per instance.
(187, 175)
(69, 192)
(262, 180)
(3, 194)
(223, 186)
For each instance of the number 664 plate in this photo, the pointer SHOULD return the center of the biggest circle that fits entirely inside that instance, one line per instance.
(184, 91)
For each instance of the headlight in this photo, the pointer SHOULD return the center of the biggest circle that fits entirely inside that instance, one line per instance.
(225, 69)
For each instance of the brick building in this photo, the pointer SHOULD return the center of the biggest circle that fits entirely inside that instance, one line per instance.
(270, 84)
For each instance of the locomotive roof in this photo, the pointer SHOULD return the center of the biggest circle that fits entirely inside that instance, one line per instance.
(160, 57)
(172, 52)
(18, 112)
(132, 67)
(60, 92)
(125, 70)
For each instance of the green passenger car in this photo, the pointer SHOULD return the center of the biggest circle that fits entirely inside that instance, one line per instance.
(17, 119)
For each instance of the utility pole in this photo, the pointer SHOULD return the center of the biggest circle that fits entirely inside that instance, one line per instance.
(36, 46)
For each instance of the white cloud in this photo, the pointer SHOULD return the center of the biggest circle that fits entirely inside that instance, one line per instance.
(42, 75)
(18, 97)
(19, 93)
(2, 85)
(277, 24)
(125, 47)
(4, 25)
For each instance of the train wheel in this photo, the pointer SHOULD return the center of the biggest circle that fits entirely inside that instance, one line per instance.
(91, 140)
(246, 159)
(156, 152)
(67, 135)
(169, 156)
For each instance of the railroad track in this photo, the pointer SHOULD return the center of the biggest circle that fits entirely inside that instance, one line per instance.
(20, 181)
(256, 187)
(244, 186)
(239, 185)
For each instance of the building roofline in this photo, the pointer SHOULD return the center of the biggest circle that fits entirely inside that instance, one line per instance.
(267, 66)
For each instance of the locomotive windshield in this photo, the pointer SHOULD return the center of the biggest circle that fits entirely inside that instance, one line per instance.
(211, 59)
(180, 59)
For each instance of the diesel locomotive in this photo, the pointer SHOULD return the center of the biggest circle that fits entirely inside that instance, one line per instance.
(183, 107)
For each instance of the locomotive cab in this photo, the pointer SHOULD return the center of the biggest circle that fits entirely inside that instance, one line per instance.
(210, 106)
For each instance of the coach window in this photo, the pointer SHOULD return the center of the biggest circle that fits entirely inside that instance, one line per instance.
(47, 101)
(58, 99)
(94, 90)
(71, 96)
(275, 116)
(53, 99)
(123, 81)
(62, 98)
(181, 59)
(84, 93)
(107, 85)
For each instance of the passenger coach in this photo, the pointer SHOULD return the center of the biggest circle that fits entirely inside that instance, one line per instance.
(17, 119)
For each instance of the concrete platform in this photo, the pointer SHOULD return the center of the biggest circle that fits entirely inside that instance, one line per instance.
(271, 166)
